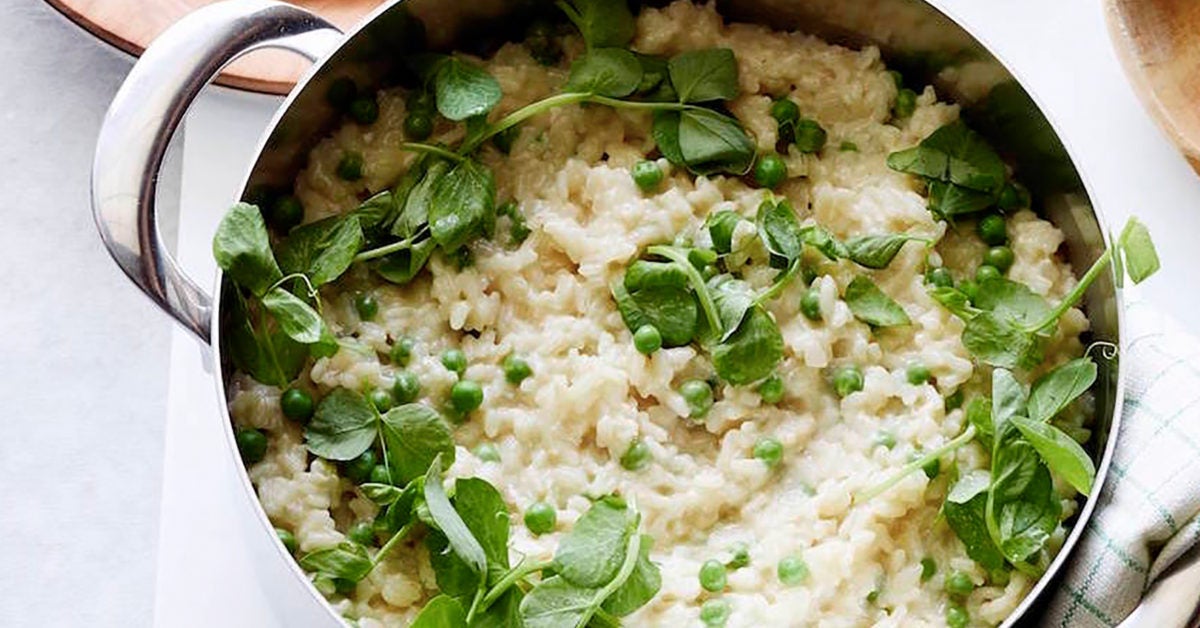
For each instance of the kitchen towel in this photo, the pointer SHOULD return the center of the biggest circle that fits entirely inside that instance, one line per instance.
(1149, 511)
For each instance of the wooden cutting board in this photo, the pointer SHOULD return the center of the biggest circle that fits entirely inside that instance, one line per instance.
(1158, 42)
(132, 24)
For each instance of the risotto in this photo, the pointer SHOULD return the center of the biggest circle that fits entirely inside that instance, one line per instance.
(752, 468)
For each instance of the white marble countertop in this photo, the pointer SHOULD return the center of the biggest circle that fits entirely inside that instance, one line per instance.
(88, 362)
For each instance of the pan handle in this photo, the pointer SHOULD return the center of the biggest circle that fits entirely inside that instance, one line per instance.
(145, 113)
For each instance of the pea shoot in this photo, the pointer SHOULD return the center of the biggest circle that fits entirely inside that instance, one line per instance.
(406, 387)
(1001, 257)
(769, 450)
(771, 390)
(770, 171)
(504, 140)
(637, 457)
(954, 401)
(381, 399)
(918, 374)
(792, 571)
(847, 380)
(992, 230)
(455, 361)
(810, 137)
(362, 533)
(286, 212)
(810, 304)
(647, 175)
(712, 576)
(516, 369)
(699, 397)
(288, 539)
(359, 468)
(487, 452)
(933, 468)
(350, 167)
(715, 612)
(540, 518)
(296, 404)
(402, 351)
(366, 306)
(466, 395)
(251, 444)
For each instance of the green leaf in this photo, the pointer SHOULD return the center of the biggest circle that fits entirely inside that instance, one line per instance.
(347, 560)
(965, 509)
(997, 342)
(404, 265)
(710, 142)
(270, 357)
(733, 298)
(647, 274)
(322, 250)
(954, 154)
(592, 554)
(752, 352)
(876, 251)
(414, 194)
(704, 75)
(454, 577)
(1060, 452)
(296, 318)
(603, 23)
(870, 305)
(1013, 467)
(665, 131)
(1011, 301)
(1141, 259)
(505, 612)
(979, 414)
(655, 85)
(672, 310)
(463, 90)
(1008, 401)
(779, 229)
(641, 587)
(461, 205)
(442, 611)
(343, 426)
(720, 229)
(1055, 390)
(956, 301)
(612, 72)
(415, 436)
(486, 515)
(400, 512)
(462, 541)
(949, 201)
(821, 239)
(1027, 521)
(556, 603)
(377, 210)
(242, 249)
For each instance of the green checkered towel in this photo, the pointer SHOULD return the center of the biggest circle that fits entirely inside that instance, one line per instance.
(1149, 511)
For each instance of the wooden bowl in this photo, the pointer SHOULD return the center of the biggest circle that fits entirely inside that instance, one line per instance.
(1158, 42)
(132, 24)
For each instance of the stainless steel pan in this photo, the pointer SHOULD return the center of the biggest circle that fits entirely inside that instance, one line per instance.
(914, 35)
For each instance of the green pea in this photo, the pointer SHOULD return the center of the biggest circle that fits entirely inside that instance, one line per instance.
(933, 468)
(698, 395)
(769, 450)
(702, 258)
(918, 374)
(885, 439)
(647, 339)
(715, 612)
(454, 360)
(402, 351)
(637, 456)
(344, 586)
(970, 288)
(1013, 196)
(418, 126)
(350, 167)
(986, 273)
(848, 147)
(539, 38)
(362, 533)
(504, 140)
(992, 230)
(873, 596)
(487, 452)
(288, 539)
(792, 571)
(771, 390)
(940, 277)
(770, 171)
(928, 568)
(359, 468)
(540, 518)
(380, 475)
(1000, 577)
(957, 616)
(647, 175)
(1001, 257)
(364, 110)
(740, 556)
(466, 395)
(810, 304)
(810, 137)
(406, 387)
(712, 576)
(516, 369)
(341, 93)
(296, 404)
(366, 305)
(846, 380)
(897, 78)
(286, 212)
(959, 583)
(381, 399)
(954, 400)
(785, 111)
(251, 444)
(906, 104)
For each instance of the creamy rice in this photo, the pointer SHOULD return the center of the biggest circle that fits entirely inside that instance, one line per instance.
(561, 432)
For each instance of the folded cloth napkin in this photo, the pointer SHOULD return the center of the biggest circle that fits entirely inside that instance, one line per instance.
(1149, 511)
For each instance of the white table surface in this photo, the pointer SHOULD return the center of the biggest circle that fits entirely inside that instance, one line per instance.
(108, 489)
